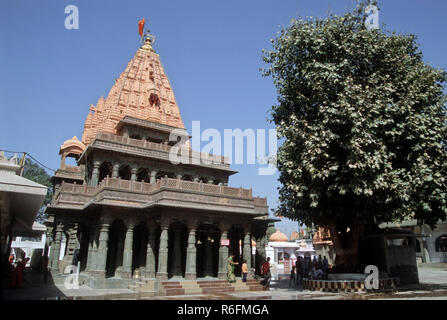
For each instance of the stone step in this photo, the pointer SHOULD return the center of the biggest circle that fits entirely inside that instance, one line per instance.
(257, 288)
(203, 285)
(217, 290)
(242, 289)
(193, 291)
(211, 281)
(174, 292)
(145, 294)
(173, 288)
(172, 285)
(170, 282)
(190, 285)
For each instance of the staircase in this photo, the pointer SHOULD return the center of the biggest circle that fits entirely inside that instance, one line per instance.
(143, 288)
(187, 287)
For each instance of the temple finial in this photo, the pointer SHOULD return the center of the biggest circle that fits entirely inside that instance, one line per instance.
(147, 39)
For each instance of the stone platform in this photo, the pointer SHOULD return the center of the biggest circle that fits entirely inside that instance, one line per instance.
(348, 285)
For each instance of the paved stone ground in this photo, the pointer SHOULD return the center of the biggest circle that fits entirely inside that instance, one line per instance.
(433, 286)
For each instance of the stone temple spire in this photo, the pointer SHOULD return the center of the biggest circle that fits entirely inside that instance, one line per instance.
(142, 91)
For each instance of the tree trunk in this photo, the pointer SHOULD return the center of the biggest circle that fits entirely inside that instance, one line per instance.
(346, 246)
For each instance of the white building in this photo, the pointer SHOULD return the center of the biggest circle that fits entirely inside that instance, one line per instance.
(283, 253)
(430, 245)
(31, 244)
(20, 200)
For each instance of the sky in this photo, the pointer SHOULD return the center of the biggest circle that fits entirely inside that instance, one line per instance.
(210, 50)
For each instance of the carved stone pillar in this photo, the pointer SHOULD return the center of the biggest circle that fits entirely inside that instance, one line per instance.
(57, 247)
(128, 252)
(163, 250)
(91, 240)
(116, 167)
(260, 252)
(223, 251)
(95, 243)
(196, 179)
(177, 251)
(191, 252)
(153, 176)
(150, 251)
(101, 252)
(95, 173)
(134, 172)
(48, 243)
(73, 244)
(246, 252)
(49, 240)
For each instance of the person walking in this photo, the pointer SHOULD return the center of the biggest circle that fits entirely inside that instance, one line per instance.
(265, 272)
(21, 264)
(12, 272)
(230, 269)
(244, 270)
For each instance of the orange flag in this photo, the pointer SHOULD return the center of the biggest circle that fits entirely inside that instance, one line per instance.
(141, 26)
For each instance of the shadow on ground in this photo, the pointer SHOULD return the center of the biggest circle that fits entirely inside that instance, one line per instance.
(34, 287)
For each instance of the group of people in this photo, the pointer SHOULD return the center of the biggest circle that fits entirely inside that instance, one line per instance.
(265, 270)
(231, 277)
(305, 268)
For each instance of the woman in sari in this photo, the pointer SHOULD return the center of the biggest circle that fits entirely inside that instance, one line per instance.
(230, 269)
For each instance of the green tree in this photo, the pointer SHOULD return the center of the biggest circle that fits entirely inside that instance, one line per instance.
(36, 173)
(363, 123)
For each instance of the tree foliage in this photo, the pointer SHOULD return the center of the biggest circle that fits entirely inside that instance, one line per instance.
(364, 124)
(34, 172)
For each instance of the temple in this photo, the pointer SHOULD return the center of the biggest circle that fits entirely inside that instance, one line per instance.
(127, 210)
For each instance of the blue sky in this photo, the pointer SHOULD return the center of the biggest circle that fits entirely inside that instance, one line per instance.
(211, 51)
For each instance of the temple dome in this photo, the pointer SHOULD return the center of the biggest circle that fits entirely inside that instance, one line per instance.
(142, 91)
(295, 235)
(72, 146)
(278, 236)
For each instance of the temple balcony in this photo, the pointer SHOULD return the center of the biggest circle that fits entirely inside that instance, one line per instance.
(165, 192)
(144, 148)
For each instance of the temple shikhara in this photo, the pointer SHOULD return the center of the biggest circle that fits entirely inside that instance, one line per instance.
(126, 211)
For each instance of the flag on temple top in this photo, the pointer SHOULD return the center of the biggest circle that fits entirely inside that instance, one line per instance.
(141, 26)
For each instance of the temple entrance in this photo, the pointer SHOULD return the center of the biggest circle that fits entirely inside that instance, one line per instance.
(178, 241)
(84, 235)
(139, 247)
(115, 248)
(207, 263)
